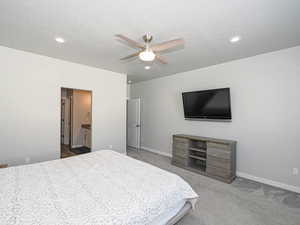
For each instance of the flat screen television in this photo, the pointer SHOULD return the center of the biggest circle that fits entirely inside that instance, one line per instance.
(207, 104)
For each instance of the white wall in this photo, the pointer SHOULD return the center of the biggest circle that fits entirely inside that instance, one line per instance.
(265, 97)
(30, 90)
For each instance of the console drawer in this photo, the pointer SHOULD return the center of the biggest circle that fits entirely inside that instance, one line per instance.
(182, 140)
(219, 162)
(181, 145)
(219, 153)
(179, 160)
(214, 171)
(181, 152)
(217, 145)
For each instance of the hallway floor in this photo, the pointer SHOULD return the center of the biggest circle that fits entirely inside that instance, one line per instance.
(65, 151)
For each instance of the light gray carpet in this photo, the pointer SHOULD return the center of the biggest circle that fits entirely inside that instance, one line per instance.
(243, 202)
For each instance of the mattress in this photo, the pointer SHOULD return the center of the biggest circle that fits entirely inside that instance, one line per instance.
(166, 216)
(102, 187)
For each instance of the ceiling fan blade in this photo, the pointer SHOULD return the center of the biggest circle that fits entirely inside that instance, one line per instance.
(130, 56)
(166, 45)
(161, 59)
(131, 42)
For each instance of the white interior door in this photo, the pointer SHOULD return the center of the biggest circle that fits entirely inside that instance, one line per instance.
(133, 123)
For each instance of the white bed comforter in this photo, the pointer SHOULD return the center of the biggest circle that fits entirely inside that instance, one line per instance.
(102, 187)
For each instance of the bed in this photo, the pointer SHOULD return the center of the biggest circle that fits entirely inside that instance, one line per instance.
(102, 187)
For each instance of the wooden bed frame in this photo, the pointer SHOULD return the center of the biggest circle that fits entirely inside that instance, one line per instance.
(185, 209)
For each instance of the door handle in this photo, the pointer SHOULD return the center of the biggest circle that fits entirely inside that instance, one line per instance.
(138, 125)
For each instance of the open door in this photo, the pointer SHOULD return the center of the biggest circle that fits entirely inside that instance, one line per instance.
(76, 122)
(133, 123)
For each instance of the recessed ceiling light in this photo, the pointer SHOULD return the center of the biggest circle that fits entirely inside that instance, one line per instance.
(235, 39)
(147, 67)
(59, 40)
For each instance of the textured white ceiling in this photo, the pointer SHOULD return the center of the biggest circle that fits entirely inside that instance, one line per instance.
(206, 26)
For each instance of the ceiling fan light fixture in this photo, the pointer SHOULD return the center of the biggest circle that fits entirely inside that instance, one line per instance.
(147, 55)
(149, 52)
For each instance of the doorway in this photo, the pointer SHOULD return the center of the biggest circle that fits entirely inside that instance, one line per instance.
(134, 123)
(76, 122)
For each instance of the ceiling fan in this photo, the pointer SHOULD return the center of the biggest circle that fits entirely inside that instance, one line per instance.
(149, 52)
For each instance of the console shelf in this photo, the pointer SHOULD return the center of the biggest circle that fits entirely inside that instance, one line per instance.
(197, 149)
(212, 157)
(197, 157)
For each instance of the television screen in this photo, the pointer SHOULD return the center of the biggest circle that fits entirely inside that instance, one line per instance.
(208, 104)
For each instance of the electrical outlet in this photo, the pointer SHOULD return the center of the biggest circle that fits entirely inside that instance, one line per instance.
(110, 146)
(27, 160)
(295, 171)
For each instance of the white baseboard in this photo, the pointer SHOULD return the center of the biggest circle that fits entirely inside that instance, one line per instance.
(156, 151)
(269, 182)
(243, 175)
